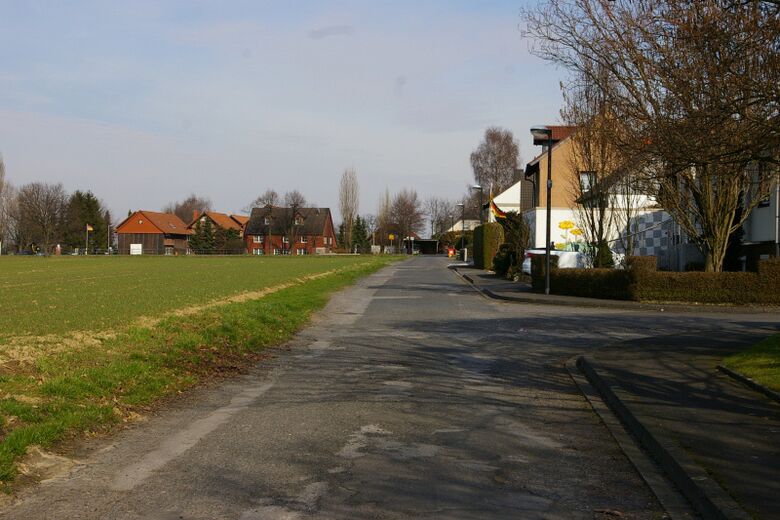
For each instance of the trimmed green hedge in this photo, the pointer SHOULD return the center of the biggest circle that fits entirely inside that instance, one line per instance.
(642, 282)
(487, 239)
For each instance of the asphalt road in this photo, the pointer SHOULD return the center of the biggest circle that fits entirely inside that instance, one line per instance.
(410, 395)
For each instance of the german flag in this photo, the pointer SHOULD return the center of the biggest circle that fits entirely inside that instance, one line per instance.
(90, 228)
(496, 210)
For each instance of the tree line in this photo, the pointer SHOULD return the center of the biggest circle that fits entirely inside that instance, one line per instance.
(38, 216)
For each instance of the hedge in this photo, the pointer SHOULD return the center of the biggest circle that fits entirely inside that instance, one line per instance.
(642, 282)
(487, 239)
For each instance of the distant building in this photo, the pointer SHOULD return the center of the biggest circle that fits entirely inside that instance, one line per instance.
(152, 233)
(467, 224)
(284, 231)
(220, 220)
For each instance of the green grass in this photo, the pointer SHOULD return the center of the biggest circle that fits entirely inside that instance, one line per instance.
(761, 362)
(63, 392)
(62, 294)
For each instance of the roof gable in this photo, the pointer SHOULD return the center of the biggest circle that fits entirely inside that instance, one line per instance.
(314, 221)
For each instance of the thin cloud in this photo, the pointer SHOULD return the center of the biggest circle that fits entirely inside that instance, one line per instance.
(331, 30)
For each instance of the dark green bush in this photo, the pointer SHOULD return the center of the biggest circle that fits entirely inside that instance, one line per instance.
(538, 265)
(487, 238)
(503, 260)
(642, 282)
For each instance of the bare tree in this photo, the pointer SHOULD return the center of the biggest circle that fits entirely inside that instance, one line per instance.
(268, 198)
(407, 213)
(294, 200)
(348, 202)
(495, 159)
(593, 166)
(439, 211)
(187, 208)
(695, 87)
(384, 217)
(372, 223)
(40, 213)
(3, 204)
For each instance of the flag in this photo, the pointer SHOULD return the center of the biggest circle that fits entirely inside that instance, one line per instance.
(496, 210)
(90, 228)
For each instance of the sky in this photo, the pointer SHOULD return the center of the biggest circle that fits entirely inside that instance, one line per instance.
(144, 103)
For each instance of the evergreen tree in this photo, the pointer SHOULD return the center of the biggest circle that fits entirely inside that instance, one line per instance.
(340, 238)
(196, 238)
(84, 208)
(360, 235)
(208, 237)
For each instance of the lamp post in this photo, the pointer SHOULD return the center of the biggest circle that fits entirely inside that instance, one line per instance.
(462, 224)
(477, 187)
(541, 133)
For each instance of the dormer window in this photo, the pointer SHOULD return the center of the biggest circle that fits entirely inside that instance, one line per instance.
(298, 221)
(267, 221)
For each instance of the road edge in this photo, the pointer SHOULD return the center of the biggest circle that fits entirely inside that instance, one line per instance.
(750, 383)
(704, 494)
(670, 498)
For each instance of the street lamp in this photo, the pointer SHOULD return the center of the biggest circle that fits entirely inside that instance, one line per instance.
(477, 187)
(541, 133)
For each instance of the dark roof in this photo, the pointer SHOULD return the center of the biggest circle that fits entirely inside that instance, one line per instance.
(314, 221)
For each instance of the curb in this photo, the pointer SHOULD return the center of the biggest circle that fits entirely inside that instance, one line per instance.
(615, 304)
(706, 496)
(750, 383)
(670, 498)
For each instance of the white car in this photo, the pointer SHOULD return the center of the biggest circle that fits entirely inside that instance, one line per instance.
(566, 259)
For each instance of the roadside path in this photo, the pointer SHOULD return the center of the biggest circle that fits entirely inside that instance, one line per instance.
(409, 396)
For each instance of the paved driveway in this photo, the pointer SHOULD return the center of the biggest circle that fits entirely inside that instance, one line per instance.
(409, 396)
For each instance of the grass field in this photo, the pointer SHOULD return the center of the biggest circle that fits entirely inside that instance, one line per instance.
(86, 343)
(761, 362)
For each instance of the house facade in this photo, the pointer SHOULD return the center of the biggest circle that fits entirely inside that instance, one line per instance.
(152, 233)
(290, 231)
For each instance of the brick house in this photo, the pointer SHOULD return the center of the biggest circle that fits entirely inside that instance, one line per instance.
(288, 231)
(152, 233)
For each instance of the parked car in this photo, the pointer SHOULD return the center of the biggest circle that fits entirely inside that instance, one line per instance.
(566, 259)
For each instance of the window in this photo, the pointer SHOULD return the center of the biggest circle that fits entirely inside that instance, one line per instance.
(276, 251)
(257, 239)
(257, 251)
(300, 251)
(267, 221)
(298, 221)
(285, 240)
(587, 180)
(304, 240)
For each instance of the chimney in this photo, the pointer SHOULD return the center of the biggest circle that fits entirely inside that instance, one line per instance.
(195, 214)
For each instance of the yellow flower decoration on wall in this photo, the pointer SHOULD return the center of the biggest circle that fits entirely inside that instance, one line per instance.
(566, 224)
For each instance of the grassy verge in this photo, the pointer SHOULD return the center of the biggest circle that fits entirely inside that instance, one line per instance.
(102, 383)
(761, 362)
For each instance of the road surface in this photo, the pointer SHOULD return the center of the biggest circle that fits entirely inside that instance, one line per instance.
(410, 395)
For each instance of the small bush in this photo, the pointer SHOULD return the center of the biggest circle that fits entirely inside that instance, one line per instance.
(538, 265)
(503, 260)
(487, 238)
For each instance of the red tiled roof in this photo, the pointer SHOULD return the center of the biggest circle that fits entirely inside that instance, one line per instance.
(167, 222)
(241, 219)
(559, 133)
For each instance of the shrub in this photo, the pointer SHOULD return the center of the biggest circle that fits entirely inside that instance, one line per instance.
(503, 260)
(538, 265)
(487, 238)
(642, 282)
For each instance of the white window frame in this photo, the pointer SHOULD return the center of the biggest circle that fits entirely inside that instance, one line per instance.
(285, 240)
(304, 239)
(257, 239)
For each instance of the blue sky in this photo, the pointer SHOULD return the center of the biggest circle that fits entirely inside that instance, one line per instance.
(146, 102)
